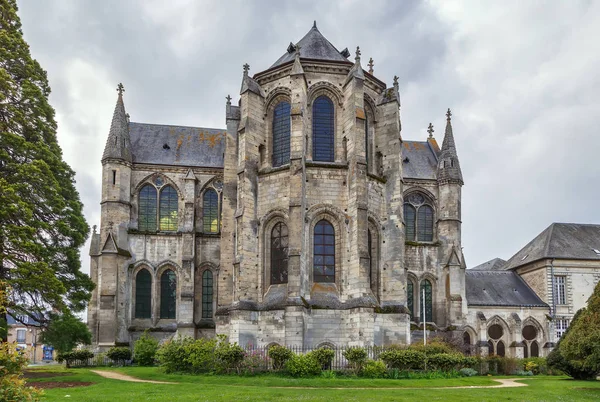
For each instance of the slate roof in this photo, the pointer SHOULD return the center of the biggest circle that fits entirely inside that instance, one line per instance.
(495, 264)
(312, 46)
(419, 160)
(177, 145)
(118, 143)
(560, 240)
(10, 320)
(499, 288)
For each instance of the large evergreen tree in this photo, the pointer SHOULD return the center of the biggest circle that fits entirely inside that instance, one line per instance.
(41, 221)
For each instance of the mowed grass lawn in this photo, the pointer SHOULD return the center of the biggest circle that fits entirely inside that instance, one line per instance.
(274, 388)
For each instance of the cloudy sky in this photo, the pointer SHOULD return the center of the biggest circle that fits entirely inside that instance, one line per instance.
(522, 79)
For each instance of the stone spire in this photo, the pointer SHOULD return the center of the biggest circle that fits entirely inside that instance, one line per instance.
(448, 164)
(118, 144)
(297, 67)
(249, 84)
(371, 64)
(356, 71)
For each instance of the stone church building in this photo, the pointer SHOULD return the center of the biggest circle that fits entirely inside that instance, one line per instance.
(307, 220)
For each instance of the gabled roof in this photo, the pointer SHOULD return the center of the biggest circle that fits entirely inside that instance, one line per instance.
(560, 240)
(499, 288)
(312, 46)
(419, 160)
(177, 145)
(495, 264)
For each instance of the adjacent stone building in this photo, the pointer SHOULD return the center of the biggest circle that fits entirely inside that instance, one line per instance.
(306, 221)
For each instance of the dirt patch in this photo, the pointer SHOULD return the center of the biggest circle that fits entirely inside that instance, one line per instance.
(60, 384)
(31, 374)
(113, 375)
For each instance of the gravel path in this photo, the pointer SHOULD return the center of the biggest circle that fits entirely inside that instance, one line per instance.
(113, 375)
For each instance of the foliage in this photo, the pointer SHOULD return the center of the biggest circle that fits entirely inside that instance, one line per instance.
(467, 372)
(447, 361)
(253, 362)
(42, 226)
(435, 347)
(502, 365)
(523, 373)
(229, 355)
(65, 331)
(303, 366)
(175, 354)
(119, 354)
(12, 385)
(356, 357)
(328, 374)
(75, 355)
(403, 359)
(324, 356)
(144, 350)
(578, 351)
(374, 369)
(279, 355)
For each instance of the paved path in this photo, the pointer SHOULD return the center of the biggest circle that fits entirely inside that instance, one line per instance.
(504, 383)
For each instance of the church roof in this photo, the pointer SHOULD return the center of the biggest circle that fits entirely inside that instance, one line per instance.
(499, 288)
(491, 265)
(313, 46)
(560, 240)
(118, 142)
(419, 160)
(177, 145)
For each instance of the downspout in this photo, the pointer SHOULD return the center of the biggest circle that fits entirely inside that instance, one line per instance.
(553, 299)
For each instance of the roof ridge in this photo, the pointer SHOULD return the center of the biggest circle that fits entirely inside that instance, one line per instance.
(549, 239)
(176, 125)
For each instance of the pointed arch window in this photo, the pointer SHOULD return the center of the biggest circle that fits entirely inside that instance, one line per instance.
(323, 126)
(281, 134)
(210, 211)
(279, 253)
(168, 294)
(147, 208)
(168, 209)
(418, 217)
(207, 294)
(324, 252)
(143, 294)
(427, 302)
(369, 140)
(535, 349)
(410, 298)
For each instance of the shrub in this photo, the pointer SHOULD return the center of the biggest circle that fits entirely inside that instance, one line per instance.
(119, 354)
(446, 361)
(406, 359)
(436, 347)
(99, 359)
(199, 356)
(12, 385)
(303, 366)
(328, 374)
(69, 358)
(229, 355)
(356, 357)
(374, 369)
(173, 354)
(253, 362)
(324, 356)
(467, 372)
(503, 365)
(279, 355)
(523, 373)
(144, 350)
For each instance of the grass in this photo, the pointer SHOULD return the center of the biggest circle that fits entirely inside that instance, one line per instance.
(273, 388)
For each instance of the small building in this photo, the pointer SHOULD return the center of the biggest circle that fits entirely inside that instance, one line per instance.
(26, 331)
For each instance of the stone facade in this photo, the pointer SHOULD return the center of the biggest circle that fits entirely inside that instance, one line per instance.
(187, 241)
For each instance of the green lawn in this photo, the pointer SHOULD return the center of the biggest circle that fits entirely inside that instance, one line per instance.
(268, 388)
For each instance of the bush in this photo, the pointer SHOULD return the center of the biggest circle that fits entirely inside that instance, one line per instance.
(144, 350)
(173, 354)
(279, 355)
(119, 354)
(229, 355)
(446, 361)
(436, 347)
(12, 385)
(503, 365)
(403, 359)
(199, 356)
(303, 366)
(467, 372)
(324, 356)
(356, 357)
(523, 373)
(374, 369)
(253, 362)
(76, 355)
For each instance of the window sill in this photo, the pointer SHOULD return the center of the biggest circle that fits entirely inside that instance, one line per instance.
(270, 169)
(422, 243)
(157, 232)
(208, 235)
(330, 165)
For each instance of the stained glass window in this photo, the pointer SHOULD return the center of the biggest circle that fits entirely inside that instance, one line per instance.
(168, 208)
(410, 221)
(168, 294)
(281, 134)
(323, 134)
(207, 294)
(410, 298)
(143, 294)
(210, 212)
(425, 223)
(500, 349)
(535, 349)
(426, 308)
(147, 208)
(370, 245)
(495, 331)
(279, 253)
(324, 252)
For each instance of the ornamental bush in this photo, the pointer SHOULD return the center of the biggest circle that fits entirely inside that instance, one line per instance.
(468, 372)
(229, 355)
(356, 357)
(303, 366)
(324, 356)
(173, 354)
(436, 347)
(280, 355)
(374, 369)
(446, 362)
(403, 359)
(12, 385)
(144, 350)
(198, 356)
(76, 355)
(119, 354)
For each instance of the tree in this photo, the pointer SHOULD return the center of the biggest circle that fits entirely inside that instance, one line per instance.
(41, 221)
(65, 332)
(578, 351)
